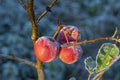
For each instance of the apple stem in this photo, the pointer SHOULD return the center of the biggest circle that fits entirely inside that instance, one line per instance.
(57, 31)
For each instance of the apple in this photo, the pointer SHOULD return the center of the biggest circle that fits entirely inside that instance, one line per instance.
(46, 49)
(68, 34)
(71, 54)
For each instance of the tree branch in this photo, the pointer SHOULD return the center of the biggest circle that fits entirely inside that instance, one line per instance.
(46, 11)
(34, 36)
(90, 41)
(23, 4)
(18, 59)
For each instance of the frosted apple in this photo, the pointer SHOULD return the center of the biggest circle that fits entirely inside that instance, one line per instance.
(70, 55)
(46, 49)
(68, 33)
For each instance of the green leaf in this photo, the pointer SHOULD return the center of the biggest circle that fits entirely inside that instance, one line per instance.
(106, 53)
(90, 65)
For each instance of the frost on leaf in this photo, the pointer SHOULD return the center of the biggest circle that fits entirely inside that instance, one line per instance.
(106, 53)
(90, 64)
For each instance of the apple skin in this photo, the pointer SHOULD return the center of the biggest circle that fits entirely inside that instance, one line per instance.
(71, 32)
(46, 49)
(70, 55)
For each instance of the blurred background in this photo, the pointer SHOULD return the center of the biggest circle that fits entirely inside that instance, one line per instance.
(94, 18)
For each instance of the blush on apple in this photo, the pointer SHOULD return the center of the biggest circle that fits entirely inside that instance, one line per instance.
(46, 49)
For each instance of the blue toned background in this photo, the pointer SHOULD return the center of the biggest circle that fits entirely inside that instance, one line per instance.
(94, 18)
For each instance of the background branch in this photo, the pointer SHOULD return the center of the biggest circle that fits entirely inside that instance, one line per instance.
(18, 59)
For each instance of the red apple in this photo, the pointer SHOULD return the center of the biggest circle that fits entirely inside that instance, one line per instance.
(70, 55)
(46, 49)
(68, 34)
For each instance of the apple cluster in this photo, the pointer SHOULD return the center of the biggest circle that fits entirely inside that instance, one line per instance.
(46, 49)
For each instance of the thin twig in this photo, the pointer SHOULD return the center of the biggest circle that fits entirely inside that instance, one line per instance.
(23, 4)
(90, 41)
(18, 59)
(46, 11)
(115, 32)
(59, 27)
(99, 75)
